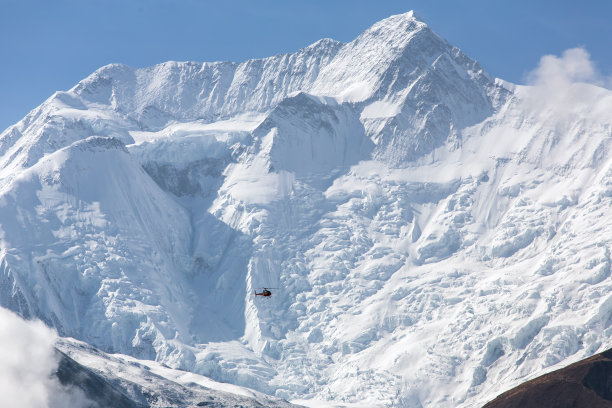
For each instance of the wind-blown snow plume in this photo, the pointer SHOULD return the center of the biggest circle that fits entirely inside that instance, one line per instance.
(27, 362)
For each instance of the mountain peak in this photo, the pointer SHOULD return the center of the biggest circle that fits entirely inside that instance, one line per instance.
(399, 23)
(407, 16)
(324, 43)
(381, 59)
(413, 15)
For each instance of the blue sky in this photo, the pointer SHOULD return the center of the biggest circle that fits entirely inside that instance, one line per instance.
(49, 45)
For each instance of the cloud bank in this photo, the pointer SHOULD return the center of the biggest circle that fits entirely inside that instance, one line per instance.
(27, 364)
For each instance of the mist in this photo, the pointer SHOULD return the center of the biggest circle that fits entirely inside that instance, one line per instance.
(28, 362)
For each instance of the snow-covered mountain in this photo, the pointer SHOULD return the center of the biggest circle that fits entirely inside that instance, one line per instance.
(436, 235)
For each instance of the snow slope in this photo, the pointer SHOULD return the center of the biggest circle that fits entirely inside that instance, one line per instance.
(437, 236)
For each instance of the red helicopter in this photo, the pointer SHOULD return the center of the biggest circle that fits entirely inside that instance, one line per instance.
(265, 292)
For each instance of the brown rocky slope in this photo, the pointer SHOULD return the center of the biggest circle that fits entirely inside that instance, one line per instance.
(585, 384)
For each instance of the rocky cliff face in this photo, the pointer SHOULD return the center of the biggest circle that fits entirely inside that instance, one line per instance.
(434, 235)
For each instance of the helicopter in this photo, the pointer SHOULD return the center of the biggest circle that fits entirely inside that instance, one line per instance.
(265, 292)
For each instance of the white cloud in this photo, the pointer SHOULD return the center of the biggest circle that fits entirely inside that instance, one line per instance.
(573, 66)
(566, 86)
(27, 362)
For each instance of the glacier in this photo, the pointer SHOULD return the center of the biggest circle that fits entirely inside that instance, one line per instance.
(436, 235)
